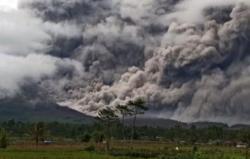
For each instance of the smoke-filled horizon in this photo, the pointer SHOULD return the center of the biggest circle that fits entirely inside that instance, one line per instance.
(189, 59)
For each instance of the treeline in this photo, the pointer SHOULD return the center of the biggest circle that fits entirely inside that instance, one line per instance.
(51, 129)
(108, 122)
(110, 125)
(81, 132)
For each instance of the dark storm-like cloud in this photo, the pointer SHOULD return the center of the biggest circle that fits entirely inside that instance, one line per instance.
(189, 59)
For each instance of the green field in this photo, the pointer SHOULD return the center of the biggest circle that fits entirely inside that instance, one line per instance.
(127, 150)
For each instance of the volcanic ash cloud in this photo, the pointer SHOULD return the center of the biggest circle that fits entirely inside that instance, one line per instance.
(189, 63)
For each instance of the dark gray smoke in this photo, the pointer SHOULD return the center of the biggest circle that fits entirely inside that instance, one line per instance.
(189, 59)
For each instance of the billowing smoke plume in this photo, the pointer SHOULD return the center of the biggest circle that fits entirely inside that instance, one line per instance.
(25, 40)
(189, 59)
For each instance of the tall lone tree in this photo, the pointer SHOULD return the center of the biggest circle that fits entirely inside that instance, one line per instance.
(3, 139)
(38, 132)
(246, 139)
(138, 106)
(123, 111)
(108, 117)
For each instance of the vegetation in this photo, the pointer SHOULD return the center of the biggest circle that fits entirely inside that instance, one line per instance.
(38, 132)
(3, 139)
(137, 107)
(124, 111)
(86, 138)
(107, 117)
(54, 140)
(75, 132)
(135, 150)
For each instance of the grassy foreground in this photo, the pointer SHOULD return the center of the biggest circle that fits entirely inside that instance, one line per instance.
(138, 150)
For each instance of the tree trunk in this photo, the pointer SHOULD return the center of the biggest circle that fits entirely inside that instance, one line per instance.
(108, 137)
(134, 127)
(123, 127)
(247, 152)
(37, 139)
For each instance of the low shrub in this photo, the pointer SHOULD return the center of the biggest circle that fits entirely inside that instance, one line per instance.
(90, 148)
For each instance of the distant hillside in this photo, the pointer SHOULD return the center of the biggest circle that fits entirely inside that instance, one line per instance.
(208, 124)
(167, 123)
(156, 122)
(23, 111)
(240, 126)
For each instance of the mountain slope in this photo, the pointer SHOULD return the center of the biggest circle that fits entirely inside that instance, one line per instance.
(24, 111)
(21, 110)
(156, 122)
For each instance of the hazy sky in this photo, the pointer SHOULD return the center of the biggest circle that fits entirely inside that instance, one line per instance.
(8, 4)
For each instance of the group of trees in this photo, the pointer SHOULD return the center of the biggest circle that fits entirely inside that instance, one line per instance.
(97, 133)
(109, 116)
(38, 133)
(108, 119)
(119, 123)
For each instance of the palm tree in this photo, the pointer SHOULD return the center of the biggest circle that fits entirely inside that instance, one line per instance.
(107, 116)
(123, 111)
(138, 107)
